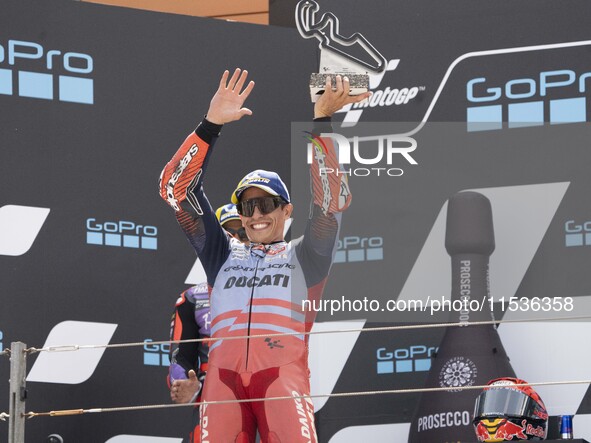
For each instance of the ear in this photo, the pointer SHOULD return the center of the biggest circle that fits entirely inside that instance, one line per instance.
(287, 210)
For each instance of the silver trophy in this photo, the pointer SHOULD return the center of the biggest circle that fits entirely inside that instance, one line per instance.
(333, 59)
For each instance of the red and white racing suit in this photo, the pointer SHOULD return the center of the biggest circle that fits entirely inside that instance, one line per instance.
(257, 290)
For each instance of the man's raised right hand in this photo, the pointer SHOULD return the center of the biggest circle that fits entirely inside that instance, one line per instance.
(226, 104)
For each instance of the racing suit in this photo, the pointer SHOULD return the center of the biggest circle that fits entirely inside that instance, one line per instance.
(191, 319)
(257, 290)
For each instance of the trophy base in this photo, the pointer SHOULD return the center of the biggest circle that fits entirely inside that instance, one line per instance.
(358, 84)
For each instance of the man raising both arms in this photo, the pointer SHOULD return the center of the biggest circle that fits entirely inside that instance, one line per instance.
(258, 289)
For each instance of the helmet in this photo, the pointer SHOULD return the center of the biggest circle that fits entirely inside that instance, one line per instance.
(506, 412)
(226, 213)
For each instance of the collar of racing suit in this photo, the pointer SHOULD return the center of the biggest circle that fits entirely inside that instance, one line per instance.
(260, 249)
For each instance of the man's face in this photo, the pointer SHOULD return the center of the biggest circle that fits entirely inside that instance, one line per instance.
(233, 227)
(264, 228)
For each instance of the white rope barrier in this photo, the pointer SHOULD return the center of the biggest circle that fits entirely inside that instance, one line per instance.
(69, 348)
(66, 412)
(79, 411)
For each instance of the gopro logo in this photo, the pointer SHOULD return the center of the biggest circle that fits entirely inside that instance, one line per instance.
(356, 249)
(123, 233)
(577, 234)
(156, 355)
(489, 114)
(416, 358)
(75, 88)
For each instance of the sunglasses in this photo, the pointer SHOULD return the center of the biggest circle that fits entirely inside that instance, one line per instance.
(241, 232)
(265, 204)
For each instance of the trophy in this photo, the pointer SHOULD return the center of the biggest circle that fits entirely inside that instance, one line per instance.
(333, 59)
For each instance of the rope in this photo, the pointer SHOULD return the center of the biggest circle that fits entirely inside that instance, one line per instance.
(4, 416)
(6, 352)
(66, 412)
(68, 348)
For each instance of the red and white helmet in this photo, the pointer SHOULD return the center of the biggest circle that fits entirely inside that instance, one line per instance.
(505, 411)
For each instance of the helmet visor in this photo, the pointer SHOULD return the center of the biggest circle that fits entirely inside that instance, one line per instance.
(504, 402)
